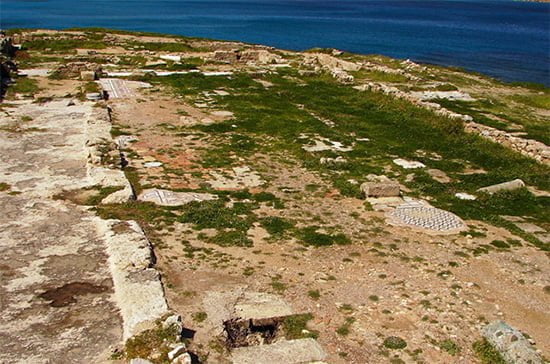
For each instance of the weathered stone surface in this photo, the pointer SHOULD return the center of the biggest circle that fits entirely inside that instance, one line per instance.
(138, 290)
(51, 245)
(258, 305)
(511, 343)
(88, 75)
(171, 198)
(380, 186)
(448, 95)
(140, 361)
(505, 186)
(529, 227)
(288, 352)
(122, 196)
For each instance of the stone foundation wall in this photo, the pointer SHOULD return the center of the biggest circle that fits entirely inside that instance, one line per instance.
(527, 147)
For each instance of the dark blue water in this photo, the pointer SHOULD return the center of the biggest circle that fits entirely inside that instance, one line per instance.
(506, 39)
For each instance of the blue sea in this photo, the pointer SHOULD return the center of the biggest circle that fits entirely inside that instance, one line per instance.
(506, 39)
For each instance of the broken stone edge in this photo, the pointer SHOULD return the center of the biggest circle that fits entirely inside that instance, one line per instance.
(138, 290)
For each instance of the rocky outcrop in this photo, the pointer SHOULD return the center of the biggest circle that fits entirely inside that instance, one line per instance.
(528, 147)
(511, 344)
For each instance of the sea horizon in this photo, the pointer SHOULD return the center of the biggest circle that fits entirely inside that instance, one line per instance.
(508, 40)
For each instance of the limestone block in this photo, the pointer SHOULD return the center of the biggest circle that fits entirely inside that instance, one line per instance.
(88, 75)
(382, 187)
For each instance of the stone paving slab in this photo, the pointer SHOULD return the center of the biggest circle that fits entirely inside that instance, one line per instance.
(119, 89)
(171, 198)
(56, 303)
(288, 352)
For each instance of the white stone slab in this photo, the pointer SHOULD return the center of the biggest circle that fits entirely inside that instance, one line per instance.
(171, 198)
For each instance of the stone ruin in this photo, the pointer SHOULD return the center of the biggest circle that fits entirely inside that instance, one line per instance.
(528, 147)
(88, 71)
(260, 56)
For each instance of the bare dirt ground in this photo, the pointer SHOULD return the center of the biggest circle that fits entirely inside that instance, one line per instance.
(392, 281)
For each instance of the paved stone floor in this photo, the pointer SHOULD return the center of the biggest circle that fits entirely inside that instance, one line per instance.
(55, 287)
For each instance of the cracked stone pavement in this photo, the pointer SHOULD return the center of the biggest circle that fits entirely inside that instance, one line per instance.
(55, 289)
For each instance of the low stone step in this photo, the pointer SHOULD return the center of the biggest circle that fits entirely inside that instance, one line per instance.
(288, 352)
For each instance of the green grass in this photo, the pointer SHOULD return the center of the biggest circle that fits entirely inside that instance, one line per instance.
(277, 227)
(486, 353)
(62, 45)
(449, 346)
(199, 316)
(271, 119)
(295, 327)
(534, 100)
(152, 344)
(4, 186)
(310, 236)
(25, 86)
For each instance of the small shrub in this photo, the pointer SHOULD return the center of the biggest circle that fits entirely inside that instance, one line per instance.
(199, 316)
(486, 353)
(314, 294)
(449, 346)
(395, 342)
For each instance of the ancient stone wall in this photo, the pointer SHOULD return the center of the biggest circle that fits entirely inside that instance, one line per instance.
(528, 147)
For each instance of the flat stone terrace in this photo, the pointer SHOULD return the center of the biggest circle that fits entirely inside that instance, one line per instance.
(55, 287)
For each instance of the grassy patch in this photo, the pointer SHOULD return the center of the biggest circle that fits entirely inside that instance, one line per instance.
(449, 346)
(153, 344)
(486, 353)
(4, 186)
(310, 236)
(295, 327)
(277, 227)
(200, 316)
(62, 45)
(25, 86)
